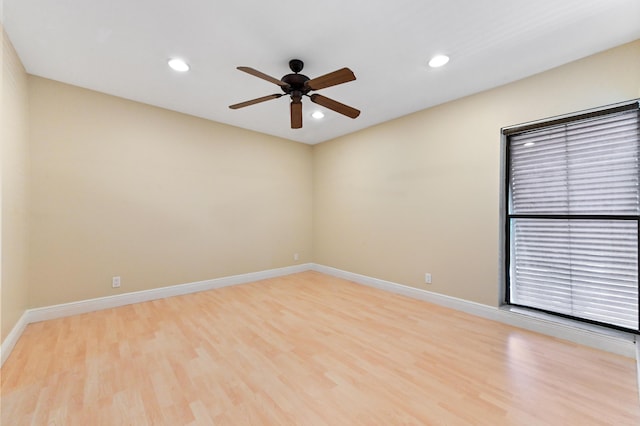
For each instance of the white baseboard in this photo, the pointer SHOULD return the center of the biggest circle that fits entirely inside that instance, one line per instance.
(638, 366)
(596, 337)
(91, 305)
(619, 343)
(84, 306)
(10, 341)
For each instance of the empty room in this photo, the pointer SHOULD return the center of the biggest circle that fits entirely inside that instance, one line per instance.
(346, 213)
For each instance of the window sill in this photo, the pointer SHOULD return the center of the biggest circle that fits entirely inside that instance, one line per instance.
(567, 322)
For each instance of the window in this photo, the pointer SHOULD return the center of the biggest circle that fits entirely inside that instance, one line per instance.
(572, 216)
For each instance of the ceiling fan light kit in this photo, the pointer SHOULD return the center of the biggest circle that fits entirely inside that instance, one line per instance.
(297, 85)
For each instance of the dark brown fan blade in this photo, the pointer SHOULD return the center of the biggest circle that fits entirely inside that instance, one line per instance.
(296, 115)
(255, 101)
(333, 78)
(334, 105)
(263, 76)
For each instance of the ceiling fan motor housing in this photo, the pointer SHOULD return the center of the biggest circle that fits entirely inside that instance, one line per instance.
(296, 83)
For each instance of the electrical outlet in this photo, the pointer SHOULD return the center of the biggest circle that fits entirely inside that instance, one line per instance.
(427, 278)
(115, 282)
(296, 256)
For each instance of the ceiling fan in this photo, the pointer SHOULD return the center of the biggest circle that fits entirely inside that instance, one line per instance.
(298, 85)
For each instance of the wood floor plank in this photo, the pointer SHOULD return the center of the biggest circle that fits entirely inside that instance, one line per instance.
(306, 349)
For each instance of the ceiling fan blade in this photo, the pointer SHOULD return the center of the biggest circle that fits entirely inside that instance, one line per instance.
(255, 101)
(263, 76)
(296, 115)
(333, 78)
(334, 105)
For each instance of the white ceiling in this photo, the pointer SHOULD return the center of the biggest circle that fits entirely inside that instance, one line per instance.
(121, 47)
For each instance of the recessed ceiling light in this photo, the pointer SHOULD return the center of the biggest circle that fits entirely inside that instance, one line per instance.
(438, 61)
(178, 65)
(317, 115)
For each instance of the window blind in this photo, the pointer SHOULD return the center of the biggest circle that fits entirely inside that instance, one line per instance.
(573, 212)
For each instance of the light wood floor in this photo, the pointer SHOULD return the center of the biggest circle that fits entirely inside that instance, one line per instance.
(306, 349)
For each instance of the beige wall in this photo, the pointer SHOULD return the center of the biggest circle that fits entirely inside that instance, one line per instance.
(156, 197)
(14, 166)
(108, 187)
(421, 193)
